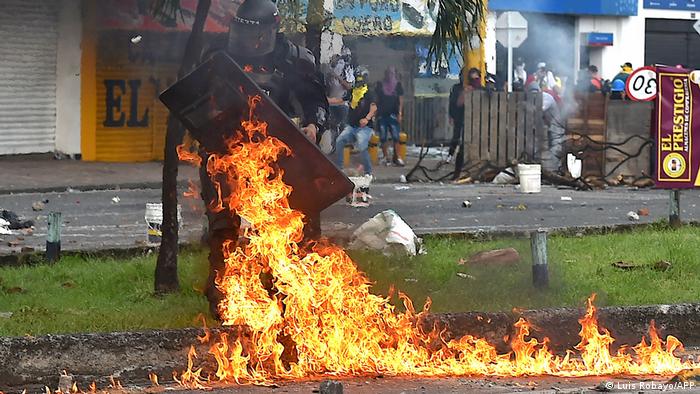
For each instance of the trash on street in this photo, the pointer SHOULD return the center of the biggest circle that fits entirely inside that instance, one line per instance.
(388, 233)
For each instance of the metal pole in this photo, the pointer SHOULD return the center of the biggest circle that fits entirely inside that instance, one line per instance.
(510, 56)
(674, 214)
(540, 271)
(53, 237)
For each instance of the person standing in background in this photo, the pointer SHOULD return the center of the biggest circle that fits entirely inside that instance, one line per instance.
(389, 93)
(519, 76)
(363, 108)
(337, 87)
(626, 70)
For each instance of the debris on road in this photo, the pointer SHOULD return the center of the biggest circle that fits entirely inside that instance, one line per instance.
(626, 266)
(633, 216)
(505, 177)
(520, 207)
(398, 188)
(15, 222)
(643, 212)
(566, 198)
(687, 375)
(403, 179)
(662, 265)
(605, 386)
(386, 231)
(466, 204)
(115, 200)
(4, 227)
(38, 206)
(331, 387)
(498, 256)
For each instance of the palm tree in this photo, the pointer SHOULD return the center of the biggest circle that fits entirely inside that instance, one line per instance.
(456, 22)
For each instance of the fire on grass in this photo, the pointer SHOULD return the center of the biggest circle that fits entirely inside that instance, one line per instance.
(318, 316)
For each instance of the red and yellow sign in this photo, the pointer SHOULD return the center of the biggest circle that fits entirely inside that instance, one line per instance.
(677, 130)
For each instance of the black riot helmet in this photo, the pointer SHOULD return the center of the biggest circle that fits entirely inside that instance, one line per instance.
(253, 30)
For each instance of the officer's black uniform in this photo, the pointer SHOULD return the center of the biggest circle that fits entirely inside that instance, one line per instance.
(287, 73)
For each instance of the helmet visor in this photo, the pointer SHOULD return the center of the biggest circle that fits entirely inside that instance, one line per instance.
(252, 39)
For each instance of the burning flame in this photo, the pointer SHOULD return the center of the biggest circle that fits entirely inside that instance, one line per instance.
(307, 310)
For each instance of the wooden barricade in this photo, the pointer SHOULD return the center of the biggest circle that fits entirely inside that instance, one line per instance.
(501, 127)
(586, 132)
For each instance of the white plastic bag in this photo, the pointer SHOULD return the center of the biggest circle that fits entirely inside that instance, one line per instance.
(386, 231)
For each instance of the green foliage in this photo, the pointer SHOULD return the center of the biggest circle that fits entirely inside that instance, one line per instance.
(86, 294)
(99, 294)
(456, 22)
(578, 267)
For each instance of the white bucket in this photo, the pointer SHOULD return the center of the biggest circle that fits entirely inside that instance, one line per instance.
(530, 178)
(154, 219)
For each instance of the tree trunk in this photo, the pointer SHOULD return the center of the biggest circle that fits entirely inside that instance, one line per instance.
(314, 28)
(166, 280)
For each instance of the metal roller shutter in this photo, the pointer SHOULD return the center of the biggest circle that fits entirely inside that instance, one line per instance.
(28, 76)
(671, 42)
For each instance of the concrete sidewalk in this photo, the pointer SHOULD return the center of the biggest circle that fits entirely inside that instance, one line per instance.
(43, 174)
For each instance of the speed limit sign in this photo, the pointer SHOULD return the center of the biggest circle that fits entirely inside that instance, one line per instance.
(641, 84)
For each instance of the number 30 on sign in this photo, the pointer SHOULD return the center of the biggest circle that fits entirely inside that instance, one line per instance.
(641, 84)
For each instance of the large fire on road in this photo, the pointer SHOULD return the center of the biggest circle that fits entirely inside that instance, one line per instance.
(322, 308)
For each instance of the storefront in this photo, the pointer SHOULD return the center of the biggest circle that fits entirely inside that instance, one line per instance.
(128, 59)
(559, 31)
(662, 32)
(28, 50)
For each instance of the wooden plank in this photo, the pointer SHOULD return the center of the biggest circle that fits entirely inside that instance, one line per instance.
(468, 119)
(502, 129)
(484, 139)
(493, 127)
(529, 119)
(540, 133)
(520, 123)
(476, 131)
(511, 128)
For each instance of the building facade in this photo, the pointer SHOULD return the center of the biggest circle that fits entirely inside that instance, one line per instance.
(81, 77)
(569, 35)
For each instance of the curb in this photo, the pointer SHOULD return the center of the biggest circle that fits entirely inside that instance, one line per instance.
(130, 356)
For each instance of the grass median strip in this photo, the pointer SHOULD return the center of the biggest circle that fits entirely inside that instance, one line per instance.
(87, 294)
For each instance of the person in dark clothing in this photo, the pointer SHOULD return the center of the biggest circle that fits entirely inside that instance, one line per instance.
(456, 106)
(287, 73)
(363, 108)
(389, 93)
(590, 81)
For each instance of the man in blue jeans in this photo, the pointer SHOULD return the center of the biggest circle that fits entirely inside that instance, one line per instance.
(363, 107)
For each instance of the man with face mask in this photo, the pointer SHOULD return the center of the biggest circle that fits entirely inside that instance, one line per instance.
(287, 74)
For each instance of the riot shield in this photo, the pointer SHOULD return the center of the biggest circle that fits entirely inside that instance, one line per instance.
(212, 100)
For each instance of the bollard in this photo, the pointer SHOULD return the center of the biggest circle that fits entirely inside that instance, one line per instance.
(540, 271)
(53, 237)
(674, 214)
(373, 149)
(403, 139)
(347, 151)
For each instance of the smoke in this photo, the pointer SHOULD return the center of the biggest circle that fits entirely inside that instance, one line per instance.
(550, 40)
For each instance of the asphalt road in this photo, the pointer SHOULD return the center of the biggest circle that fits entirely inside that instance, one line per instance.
(540, 385)
(92, 220)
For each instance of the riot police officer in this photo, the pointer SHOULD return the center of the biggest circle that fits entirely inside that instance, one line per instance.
(287, 73)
